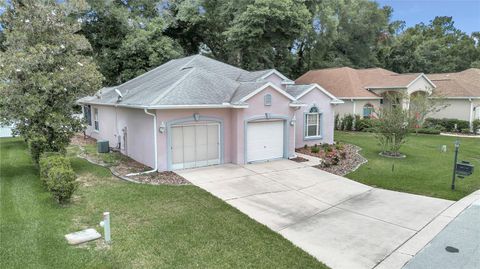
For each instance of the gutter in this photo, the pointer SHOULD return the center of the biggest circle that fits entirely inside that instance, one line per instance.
(224, 105)
(155, 169)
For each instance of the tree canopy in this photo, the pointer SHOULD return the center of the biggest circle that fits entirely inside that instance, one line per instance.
(44, 69)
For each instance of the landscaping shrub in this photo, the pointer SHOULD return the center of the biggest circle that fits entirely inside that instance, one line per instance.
(337, 122)
(476, 126)
(347, 122)
(339, 146)
(356, 122)
(315, 149)
(58, 176)
(447, 125)
(50, 160)
(61, 183)
(465, 131)
(426, 131)
(37, 146)
(364, 125)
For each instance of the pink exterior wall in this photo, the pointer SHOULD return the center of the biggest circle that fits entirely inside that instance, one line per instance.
(139, 125)
(280, 106)
(166, 116)
(273, 78)
(112, 120)
(322, 101)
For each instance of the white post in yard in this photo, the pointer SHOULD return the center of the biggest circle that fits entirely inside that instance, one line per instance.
(106, 227)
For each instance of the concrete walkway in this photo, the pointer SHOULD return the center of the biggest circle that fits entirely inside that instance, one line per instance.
(341, 222)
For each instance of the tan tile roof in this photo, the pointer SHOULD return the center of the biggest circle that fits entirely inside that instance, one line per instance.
(349, 82)
(460, 84)
(345, 82)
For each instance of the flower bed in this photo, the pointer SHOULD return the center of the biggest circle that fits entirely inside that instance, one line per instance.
(339, 159)
(121, 165)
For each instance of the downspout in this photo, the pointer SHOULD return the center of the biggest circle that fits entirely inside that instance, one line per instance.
(470, 118)
(155, 169)
(354, 106)
(293, 123)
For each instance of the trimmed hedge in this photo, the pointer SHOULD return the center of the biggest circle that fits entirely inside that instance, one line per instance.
(476, 126)
(447, 125)
(61, 183)
(426, 131)
(58, 176)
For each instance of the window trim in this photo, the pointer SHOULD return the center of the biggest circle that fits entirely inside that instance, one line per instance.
(319, 124)
(267, 99)
(87, 114)
(96, 123)
(370, 107)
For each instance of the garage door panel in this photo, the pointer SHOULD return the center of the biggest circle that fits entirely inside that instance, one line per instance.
(195, 145)
(265, 140)
(213, 143)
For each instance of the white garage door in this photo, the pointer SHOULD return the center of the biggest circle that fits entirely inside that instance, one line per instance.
(264, 140)
(195, 145)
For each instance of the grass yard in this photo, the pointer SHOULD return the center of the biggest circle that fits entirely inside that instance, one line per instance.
(424, 171)
(152, 226)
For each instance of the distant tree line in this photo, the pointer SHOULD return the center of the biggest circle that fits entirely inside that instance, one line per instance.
(53, 52)
(129, 37)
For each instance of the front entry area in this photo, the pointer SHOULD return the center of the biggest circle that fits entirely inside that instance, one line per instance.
(265, 140)
(195, 145)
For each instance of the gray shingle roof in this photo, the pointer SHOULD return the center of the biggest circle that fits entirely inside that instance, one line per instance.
(296, 90)
(193, 80)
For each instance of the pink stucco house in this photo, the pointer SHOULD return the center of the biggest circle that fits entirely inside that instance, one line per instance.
(196, 111)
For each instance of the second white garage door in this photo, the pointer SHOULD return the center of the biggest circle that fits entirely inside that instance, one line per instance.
(264, 140)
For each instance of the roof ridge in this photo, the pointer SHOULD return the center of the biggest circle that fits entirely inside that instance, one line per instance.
(144, 74)
(161, 96)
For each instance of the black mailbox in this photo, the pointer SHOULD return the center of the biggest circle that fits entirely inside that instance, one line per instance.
(464, 169)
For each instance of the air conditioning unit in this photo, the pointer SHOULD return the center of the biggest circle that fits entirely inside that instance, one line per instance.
(102, 146)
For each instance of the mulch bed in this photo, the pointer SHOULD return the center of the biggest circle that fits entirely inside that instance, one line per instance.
(82, 140)
(352, 160)
(127, 165)
(299, 159)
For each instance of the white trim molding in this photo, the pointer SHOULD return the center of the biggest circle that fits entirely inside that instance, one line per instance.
(269, 84)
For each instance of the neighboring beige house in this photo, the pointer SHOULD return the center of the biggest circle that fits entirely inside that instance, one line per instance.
(362, 89)
(462, 91)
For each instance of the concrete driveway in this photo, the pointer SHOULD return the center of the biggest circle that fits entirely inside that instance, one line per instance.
(341, 222)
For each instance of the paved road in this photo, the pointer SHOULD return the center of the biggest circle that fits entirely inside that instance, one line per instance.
(341, 222)
(462, 235)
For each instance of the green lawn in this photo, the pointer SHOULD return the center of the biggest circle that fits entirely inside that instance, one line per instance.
(152, 226)
(424, 171)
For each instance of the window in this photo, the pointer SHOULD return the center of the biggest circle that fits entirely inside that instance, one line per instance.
(312, 123)
(367, 111)
(87, 114)
(267, 99)
(95, 117)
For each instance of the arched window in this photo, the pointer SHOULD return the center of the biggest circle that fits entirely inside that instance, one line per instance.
(312, 123)
(267, 99)
(367, 111)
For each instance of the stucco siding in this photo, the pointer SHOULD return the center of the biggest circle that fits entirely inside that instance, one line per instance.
(347, 107)
(112, 120)
(275, 79)
(280, 107)
(166, 116)
(457, 109)
(420, 84)
(322, 102)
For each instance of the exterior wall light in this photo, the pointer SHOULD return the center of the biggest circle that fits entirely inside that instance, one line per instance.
(162, 127)
(196, 116)
(293, 120)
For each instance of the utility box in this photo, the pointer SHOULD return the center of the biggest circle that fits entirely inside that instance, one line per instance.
(102, 146)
